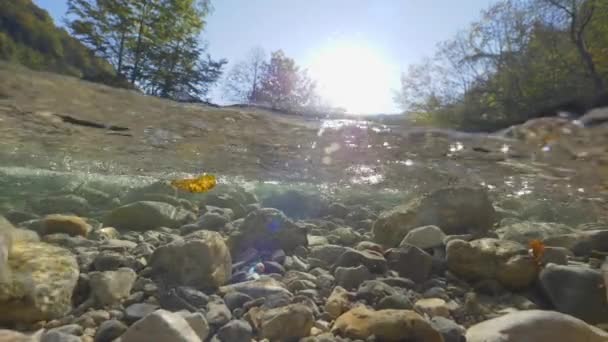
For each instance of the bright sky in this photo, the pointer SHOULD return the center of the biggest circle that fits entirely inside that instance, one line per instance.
(355, 49)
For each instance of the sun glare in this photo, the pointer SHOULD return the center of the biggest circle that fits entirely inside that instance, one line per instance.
(354, 77)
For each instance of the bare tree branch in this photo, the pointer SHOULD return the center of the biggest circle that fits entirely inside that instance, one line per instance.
(562, 7)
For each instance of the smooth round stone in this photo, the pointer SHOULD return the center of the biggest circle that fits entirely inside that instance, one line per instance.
(396, 301)
(235, 331)
(70, 329)
(108, 331)
(273, 267)
(236, 300)
(56, 336)
(138, 311)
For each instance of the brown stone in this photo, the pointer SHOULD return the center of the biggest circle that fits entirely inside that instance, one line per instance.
(386, 325)
(66, 224)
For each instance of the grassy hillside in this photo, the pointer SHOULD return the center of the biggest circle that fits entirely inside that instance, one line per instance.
(29, 36)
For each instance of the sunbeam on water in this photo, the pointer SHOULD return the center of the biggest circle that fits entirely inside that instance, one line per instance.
(326, 190)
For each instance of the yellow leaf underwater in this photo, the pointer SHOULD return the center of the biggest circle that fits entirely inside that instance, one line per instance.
(200, 184)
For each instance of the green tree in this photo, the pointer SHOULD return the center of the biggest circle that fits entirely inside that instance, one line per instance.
(153, 43)
(576, 16)
(520, 58)
(104, 26)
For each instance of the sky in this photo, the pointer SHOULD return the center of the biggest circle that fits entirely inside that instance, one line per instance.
(354, 49)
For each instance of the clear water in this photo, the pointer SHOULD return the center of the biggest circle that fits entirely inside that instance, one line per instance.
(344, 159)
(549, 170)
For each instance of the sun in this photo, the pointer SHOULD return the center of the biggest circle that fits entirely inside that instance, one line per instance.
(355, 77)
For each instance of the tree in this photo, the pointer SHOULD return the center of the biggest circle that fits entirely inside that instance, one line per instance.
(283, 85)
(520, 58)
(242, 83)
(175, 64)
(153, 43)
(104, 26)
(576, 15)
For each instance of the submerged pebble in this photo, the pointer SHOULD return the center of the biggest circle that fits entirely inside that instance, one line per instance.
(244, 271)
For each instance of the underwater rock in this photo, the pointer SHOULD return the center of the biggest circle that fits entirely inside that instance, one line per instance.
(373, 291)
(108, 331)
(556, 255)
(209, 221)
(160, 325)
(18, 216)
(524, 232)
(263, 287)
(111, 287)
(95, 197)
(455, 210)
(182, 298)
(286, 323)
(385, 325)
(105, 233)
(58, 336)
(432, 307)
(197, 322)
(375, 262)
(295, 263)
(267, 229)
(296, 276)
(575, 291)
(506, 261)
(297, 204)
(345, 236)
(273, 267)
(71, 329)
(141, 193)
(16, 336)
(218, 313)
(110, 261)
(535, 326)
(117, 245)
(338, 302)
(351, 277)
(6, 245)
(225, 200)
(424, 237)
(316, 240)
(338, 210)
(235, 331)
(200, 259)
(570, 213)
(397, 301)
(63, 204)
(42, 280)
(410, 262)
(581, 243)
(69, 242)
(327, 253)
(368, 245)
(147, 215)
(137, 311)
(67, 224)
(235, 300)
(450, 330)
